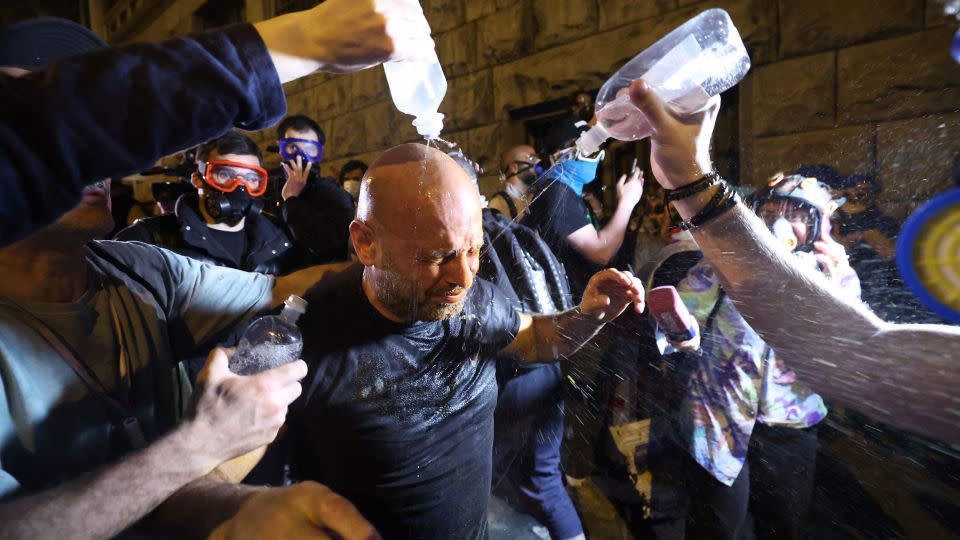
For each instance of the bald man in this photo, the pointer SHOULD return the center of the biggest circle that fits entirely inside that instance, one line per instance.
(520, 167)
(397, 412)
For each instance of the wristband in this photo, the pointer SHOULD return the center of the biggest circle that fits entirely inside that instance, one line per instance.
(704, 183)
(724, 199)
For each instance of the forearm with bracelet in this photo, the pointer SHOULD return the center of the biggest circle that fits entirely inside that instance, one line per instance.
(722, 200)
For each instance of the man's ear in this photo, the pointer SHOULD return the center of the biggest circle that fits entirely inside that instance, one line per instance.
(196, 181)
(364, 243)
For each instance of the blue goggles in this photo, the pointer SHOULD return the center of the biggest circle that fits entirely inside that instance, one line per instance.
(311, 151)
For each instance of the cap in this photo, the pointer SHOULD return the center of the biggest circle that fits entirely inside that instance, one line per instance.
(590, 141)
(429, 124)
(562, 132)
(34, 43)
(295, 303)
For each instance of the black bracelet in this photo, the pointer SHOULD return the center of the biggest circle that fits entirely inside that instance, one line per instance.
(724, 199)
(704, 183)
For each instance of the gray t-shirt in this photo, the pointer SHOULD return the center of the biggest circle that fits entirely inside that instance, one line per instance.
(166, 307)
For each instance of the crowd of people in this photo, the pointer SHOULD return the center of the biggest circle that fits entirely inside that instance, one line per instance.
(443, 336)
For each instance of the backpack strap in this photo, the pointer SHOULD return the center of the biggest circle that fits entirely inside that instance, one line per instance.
(509, 200)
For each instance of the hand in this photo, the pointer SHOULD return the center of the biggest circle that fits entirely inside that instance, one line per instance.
(305, 510)
(630, 190)
(297, 176)
(832, 258)
(680, 144)
(609, 292)
(342, 36)
(233, 414)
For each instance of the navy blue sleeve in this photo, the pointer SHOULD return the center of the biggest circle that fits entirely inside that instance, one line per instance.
(113, 112)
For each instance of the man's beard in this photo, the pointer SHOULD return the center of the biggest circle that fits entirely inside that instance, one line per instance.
(401, 296)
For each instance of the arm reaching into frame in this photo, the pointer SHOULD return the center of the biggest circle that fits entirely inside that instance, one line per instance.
(904, 375)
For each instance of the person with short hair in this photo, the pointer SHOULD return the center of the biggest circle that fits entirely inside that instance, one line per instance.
(221, 223)
(316, 211)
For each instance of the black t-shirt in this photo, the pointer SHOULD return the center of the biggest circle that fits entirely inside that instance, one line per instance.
(399, 418)
(235, 242)
(557, 212)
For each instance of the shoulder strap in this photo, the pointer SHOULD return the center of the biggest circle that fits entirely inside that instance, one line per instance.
(121, 411)
(509, 200)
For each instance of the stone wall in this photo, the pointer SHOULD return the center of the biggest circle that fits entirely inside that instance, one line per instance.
(864, 85)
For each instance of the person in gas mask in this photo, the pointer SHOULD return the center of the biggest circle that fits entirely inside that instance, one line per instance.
(519, 169)
(221, 223)
(735, 434)
(316, 211)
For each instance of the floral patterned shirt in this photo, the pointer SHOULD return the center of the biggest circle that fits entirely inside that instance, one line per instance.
(737, 381)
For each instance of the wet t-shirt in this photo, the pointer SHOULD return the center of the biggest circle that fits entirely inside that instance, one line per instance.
(399, 418)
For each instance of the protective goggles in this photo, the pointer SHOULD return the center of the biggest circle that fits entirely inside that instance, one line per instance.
(311, 151)
(227, 176)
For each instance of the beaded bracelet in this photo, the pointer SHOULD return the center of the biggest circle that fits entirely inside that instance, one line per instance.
(704, 183)
(724, 199)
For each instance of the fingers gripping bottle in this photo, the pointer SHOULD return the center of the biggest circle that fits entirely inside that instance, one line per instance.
(417, 88)
(270, 341)
(693, 63)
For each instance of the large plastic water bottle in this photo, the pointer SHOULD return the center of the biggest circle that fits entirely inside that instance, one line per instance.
(417, 89)
(693, 63)
(270, 341)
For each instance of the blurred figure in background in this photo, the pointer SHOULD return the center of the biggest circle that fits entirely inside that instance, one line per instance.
(519, 169)
(350, 175)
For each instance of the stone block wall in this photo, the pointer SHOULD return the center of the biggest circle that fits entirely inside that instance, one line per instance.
(865, 85)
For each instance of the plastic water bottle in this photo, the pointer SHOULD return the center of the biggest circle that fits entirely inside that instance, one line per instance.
(271, 341)
(693, 63)
(417, 89)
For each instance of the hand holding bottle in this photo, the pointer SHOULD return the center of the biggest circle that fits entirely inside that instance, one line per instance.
(680, 144)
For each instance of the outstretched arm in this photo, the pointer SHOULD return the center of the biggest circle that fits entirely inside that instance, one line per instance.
(547, 338)
(115, 111)
(901, 374)
(234, 415)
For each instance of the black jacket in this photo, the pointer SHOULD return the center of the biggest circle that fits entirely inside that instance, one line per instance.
(185, 232)
(319, 220)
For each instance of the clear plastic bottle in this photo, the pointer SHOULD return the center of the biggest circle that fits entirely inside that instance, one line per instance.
(417, 89)
(270, 341)
(693, 63)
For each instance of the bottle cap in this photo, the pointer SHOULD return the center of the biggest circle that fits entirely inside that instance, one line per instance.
(295, 303)
(429, 124)
(590, 140)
